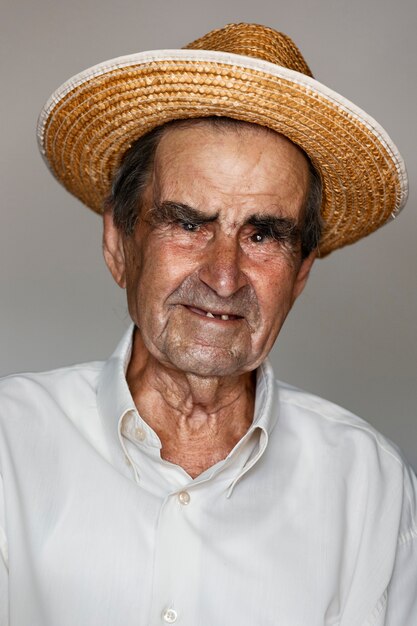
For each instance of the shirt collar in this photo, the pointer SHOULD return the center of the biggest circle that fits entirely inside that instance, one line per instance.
(115, 401)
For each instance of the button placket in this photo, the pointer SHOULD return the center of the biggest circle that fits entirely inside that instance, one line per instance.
(177, 562)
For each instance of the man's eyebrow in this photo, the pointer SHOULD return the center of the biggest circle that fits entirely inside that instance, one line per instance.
(167, 212)
(279, 228)
(284, 229)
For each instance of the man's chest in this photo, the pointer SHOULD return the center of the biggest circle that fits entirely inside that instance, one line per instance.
(90, 546)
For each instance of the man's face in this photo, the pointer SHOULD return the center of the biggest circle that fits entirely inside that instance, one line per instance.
(213, 266)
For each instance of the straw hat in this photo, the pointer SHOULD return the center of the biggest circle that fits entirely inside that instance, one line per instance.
(244, 71)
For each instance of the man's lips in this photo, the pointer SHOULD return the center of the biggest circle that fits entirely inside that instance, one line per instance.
(212, 314)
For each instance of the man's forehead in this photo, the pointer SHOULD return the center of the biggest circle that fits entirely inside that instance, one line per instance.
(219, 128)
(242, 161)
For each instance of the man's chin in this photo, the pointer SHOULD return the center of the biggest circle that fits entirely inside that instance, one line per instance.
(208, 361)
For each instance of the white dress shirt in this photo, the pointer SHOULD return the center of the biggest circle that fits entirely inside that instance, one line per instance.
(310, 520)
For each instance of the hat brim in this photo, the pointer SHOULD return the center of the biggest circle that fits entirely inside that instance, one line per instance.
(92, 119)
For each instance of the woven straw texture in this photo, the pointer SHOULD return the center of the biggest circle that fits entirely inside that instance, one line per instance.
(90, 122)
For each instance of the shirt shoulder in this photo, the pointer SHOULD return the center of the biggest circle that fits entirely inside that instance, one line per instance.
(80, 373)
(353, 450)
(32, 397)
(330, 419)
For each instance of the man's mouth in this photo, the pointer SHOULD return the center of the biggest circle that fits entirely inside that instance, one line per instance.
(218, 315)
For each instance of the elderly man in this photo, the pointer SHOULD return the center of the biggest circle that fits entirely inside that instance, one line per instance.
(179, 482)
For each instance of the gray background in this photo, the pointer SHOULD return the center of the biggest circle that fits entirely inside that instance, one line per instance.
(352, 335)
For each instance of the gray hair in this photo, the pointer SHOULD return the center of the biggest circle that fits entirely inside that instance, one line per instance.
(129, 183)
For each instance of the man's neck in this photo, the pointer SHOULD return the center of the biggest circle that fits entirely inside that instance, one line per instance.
(198, 420)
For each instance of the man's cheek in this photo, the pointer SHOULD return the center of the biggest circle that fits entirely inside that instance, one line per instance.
(171, 270)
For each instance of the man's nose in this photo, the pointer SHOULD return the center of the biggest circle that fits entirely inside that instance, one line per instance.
(222, 267)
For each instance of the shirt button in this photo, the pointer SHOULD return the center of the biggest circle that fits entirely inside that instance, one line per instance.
(169, 616)
(184, 497)
(140, 434)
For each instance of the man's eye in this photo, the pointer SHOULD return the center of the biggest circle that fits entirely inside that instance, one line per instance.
(190, 227)
(258, 237)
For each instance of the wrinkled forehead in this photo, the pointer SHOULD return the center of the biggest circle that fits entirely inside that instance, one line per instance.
(207, 164)
(220, 127)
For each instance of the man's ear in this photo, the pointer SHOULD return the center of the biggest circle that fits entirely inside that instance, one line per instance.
(113, 250)
(303, 274)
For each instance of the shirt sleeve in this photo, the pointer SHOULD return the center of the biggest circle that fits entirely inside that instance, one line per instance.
(398, 605)
(402, 591)
(4, 573)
